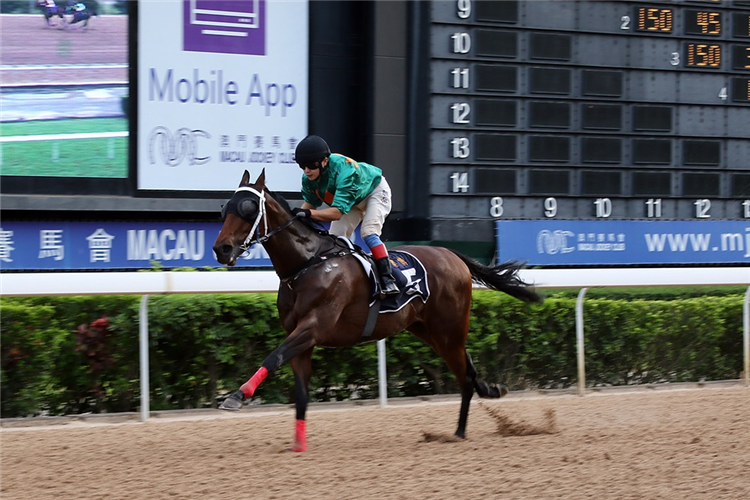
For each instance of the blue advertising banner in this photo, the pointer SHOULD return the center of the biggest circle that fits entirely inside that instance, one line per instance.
(599, 242)
(113, 245)
(117, 245)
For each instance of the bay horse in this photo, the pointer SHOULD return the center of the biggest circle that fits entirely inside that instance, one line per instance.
(324, 294)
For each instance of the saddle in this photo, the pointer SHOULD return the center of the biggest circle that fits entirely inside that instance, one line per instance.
(410, 275)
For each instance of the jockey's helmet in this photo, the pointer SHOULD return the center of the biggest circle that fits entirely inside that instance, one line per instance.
(311, 149)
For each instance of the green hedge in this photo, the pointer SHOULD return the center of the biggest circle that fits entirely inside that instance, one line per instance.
(202, 347)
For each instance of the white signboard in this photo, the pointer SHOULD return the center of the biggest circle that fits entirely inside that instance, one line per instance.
(222, 87)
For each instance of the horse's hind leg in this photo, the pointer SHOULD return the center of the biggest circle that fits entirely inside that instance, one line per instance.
(459, 363)
(463, 365)
(484, 390)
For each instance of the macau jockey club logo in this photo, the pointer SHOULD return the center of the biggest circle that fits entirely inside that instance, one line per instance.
(554, 242)
(174, 148)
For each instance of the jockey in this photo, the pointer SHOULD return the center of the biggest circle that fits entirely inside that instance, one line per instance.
(354, 192)
(49, 9)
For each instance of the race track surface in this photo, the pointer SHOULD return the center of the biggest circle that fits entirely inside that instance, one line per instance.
(31, 53)
(659, 444)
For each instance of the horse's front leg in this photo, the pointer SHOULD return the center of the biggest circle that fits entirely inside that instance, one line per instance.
(299, 341)
(302, 368)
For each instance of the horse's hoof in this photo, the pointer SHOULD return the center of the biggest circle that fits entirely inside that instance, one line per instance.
(233, 402)
(498, 391)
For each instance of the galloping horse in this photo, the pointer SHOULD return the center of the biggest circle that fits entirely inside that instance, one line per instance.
(49, 10)
(324, 295)
(80, 13)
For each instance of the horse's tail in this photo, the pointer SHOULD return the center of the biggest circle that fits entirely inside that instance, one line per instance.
(503, 278)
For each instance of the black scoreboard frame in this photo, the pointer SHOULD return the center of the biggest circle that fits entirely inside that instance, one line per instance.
(587, 109)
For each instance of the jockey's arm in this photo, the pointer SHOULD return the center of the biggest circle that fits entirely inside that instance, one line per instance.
(329, 214)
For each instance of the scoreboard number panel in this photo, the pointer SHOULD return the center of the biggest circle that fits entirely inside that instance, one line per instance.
(589, 109)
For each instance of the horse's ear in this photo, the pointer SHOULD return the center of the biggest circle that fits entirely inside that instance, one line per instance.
(245, 179)
(261, 179)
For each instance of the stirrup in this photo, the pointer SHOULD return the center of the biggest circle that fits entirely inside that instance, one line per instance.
(389, 287)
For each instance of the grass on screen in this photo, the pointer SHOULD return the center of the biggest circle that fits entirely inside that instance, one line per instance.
(66, 158)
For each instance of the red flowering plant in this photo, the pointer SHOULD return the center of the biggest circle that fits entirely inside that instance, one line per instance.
(93, 342)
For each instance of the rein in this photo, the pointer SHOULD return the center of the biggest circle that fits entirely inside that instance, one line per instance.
(250, 240)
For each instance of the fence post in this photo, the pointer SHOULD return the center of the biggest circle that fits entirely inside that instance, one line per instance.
(145, 385)
(382, 376)
(579, 342)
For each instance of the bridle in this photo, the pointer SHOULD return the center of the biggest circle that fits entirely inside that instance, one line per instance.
(251, 239)
(262, 216)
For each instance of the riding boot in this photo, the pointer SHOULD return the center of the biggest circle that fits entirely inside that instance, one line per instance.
(387, 281)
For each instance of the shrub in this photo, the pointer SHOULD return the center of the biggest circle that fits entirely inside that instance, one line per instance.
(60, 356)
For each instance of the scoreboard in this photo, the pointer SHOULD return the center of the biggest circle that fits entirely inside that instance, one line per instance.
(543, 109)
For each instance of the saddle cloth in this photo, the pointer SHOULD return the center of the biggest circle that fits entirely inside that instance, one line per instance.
(410, 274)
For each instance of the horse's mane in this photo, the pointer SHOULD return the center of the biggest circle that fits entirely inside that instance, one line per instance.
(285, 205)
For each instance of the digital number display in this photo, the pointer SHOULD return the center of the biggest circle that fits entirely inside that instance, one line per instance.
(741, 57)
(741, 90)
(652, 183)
(496, 78)
(549, 81)
(741, 25)
(547, 114)
(703, 55)
(695, 152)
(497, 12)
(601, 183)
(549, 182)
(654, 19)
(601, 116)
(495, 147)
(494, 181)
(554, 47)
(569, 101)
(496, 43)
(494, 113)
(654, 151)
(601, 150)
(549, 148)
(602, 83)
(701, 22)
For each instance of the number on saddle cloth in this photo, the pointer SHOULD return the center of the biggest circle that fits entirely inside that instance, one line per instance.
(410, 275)
(411, 278)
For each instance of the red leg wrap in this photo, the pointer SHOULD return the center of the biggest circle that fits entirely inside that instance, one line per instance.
(248, 388)
(300, 437)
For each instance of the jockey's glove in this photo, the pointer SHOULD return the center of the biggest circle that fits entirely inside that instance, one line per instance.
(302, 213)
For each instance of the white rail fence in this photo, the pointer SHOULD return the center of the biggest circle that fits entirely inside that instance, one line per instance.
(154, 283)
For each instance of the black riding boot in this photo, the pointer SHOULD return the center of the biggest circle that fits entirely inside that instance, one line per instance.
(387, 280)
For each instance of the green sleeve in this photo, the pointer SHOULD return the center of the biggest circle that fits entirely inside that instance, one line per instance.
(308, 194)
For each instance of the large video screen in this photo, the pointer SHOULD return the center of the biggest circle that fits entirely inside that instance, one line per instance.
(64, 89)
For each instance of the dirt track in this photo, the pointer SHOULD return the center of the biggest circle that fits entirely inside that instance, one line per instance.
(54, 53)
(676, 444)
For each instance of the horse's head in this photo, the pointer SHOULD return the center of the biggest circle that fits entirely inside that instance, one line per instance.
(242, 216)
